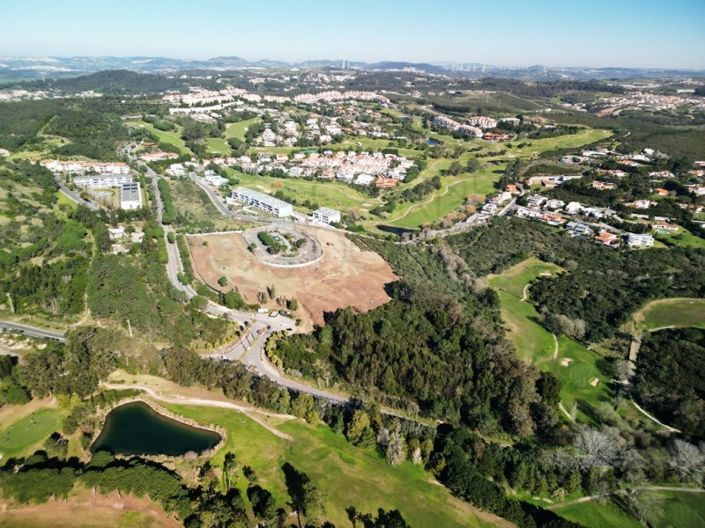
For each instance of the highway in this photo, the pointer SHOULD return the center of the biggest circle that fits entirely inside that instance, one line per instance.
(32, 331)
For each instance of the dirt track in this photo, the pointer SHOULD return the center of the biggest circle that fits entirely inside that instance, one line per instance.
(345, 275)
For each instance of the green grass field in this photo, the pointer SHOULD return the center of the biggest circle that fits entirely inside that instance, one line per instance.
(350, 475)
(330, 193)
(573, 364)
(218, 146)
(28, 432)
(681, 238)
(670, 509)
(677, 312)
(238, 129)
(598, 515)
(173, 137)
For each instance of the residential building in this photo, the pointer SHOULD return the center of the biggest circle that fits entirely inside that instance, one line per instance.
(606, 238)
(102, 181)
(176, 170)
(262, 201)
(602, 186)
(214, 179)
(364, 179)
(554, 204)
(535, 201)
(578, 229)
(327, 215)
(639, 240)
(665, 227)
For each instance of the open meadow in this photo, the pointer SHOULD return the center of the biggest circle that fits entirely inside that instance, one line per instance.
(672, 313)
(352, 476)
(24, 428)
(673, 509)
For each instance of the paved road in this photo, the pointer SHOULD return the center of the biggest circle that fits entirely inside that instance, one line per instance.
(32, 331)
(76, 197)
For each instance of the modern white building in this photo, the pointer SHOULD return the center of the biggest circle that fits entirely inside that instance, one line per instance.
(327, 215)
(639, 240)
(130, 196)
(263, 201)
(216, 180)
(102, 181)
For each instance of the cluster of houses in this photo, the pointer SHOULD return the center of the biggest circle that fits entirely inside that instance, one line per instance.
(587, 223)
(333, 96)
(455, 127)
(476, 126)
(359, 168)
(649, 101)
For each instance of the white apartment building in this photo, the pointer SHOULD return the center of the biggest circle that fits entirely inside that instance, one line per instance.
(267, 203)
(102, 181)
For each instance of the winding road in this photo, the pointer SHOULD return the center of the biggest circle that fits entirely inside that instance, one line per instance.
(250, 348)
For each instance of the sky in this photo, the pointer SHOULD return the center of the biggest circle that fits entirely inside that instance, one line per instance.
(628, 33)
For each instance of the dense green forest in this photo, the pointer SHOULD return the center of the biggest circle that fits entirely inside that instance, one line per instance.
(669, 378)
(90, 133)
(446, 358)
(90, 128)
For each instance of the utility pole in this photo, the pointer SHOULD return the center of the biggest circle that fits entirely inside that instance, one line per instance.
(9, 299)
(129, 327)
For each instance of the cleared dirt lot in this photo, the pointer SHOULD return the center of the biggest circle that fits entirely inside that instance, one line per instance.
(84, 509)
(345, 275)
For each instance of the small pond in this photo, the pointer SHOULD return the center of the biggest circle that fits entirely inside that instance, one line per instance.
(137, 429)
(399, 231)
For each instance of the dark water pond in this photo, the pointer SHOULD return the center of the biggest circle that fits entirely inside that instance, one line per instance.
(137, 429)
(399, 231)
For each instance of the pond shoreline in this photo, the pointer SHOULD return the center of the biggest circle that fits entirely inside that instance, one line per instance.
(164, 413)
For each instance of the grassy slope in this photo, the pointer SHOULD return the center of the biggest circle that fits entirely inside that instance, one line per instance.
(173, 137)
(28, 433)
(677, 312)
(218, 146)
(331, 194)
(238, 129)
(535, 344)
(681, 238)
(350, 476)
(673, 509)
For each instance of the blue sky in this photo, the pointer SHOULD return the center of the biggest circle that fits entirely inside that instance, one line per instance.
(643, 33)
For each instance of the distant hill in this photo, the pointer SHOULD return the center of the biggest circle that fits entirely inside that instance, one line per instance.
(116, 82)
(15, 69)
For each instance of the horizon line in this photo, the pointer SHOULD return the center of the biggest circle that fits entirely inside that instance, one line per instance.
(439, 63)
